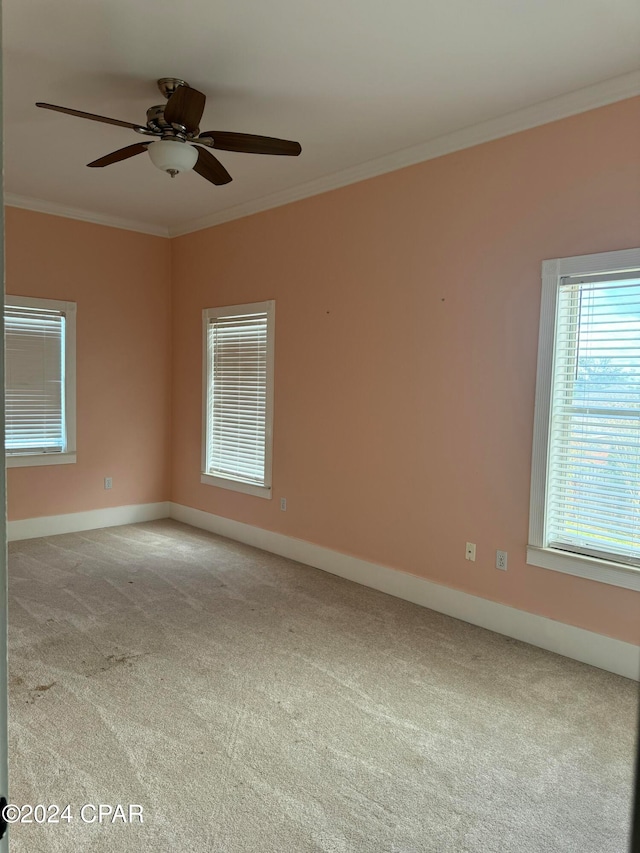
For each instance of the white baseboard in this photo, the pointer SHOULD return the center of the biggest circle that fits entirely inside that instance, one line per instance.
(577, 643)
(51, 525)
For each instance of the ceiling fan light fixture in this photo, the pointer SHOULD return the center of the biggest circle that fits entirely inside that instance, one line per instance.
(174, 129)
(172, 156)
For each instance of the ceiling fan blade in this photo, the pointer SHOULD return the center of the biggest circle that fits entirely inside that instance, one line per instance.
(249, 143)
(211, 168)
(120, 154)
(93, 117)
(185, 107)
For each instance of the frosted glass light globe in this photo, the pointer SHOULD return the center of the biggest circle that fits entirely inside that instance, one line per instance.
(172, 156)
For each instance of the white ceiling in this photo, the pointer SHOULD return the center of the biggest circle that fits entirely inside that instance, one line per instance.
(352, 80)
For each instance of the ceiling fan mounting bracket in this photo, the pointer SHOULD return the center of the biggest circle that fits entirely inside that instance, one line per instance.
(168, 85)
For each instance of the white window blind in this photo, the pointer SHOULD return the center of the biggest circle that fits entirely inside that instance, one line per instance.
(35, 380)
(237, 433)
(593, 478)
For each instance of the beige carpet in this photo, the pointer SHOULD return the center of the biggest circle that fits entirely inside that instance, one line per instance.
(250, 703)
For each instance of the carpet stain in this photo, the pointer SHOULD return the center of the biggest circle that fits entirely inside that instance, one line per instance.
(118, 660)
(38, 692)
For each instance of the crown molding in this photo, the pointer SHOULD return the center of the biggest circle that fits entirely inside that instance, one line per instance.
(589, 98)
(40, 205)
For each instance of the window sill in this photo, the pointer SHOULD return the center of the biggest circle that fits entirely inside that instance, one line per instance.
(236, 486)
(31, 460)
(603, 571)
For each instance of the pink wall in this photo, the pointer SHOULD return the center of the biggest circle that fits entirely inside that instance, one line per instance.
(121, 282)
(407, 322)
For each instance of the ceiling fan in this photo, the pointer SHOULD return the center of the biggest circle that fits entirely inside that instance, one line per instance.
(175, 131)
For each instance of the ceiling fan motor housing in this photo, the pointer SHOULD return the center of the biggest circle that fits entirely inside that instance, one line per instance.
(156, 120)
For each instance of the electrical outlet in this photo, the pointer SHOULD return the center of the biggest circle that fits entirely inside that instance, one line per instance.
(283, 504)
(108, 482)
(501, 560)
(470, 553)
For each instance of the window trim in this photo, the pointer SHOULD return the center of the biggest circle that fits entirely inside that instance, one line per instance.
(593, 568)
(268, 307)
(69, 455)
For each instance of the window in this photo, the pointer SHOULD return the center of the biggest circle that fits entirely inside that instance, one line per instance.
(238, 397)
(585, 488)
(40, 397)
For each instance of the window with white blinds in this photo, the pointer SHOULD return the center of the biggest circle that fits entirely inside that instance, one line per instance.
(238, 346)
(40, 386)
(586, 472)
(593, 502)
